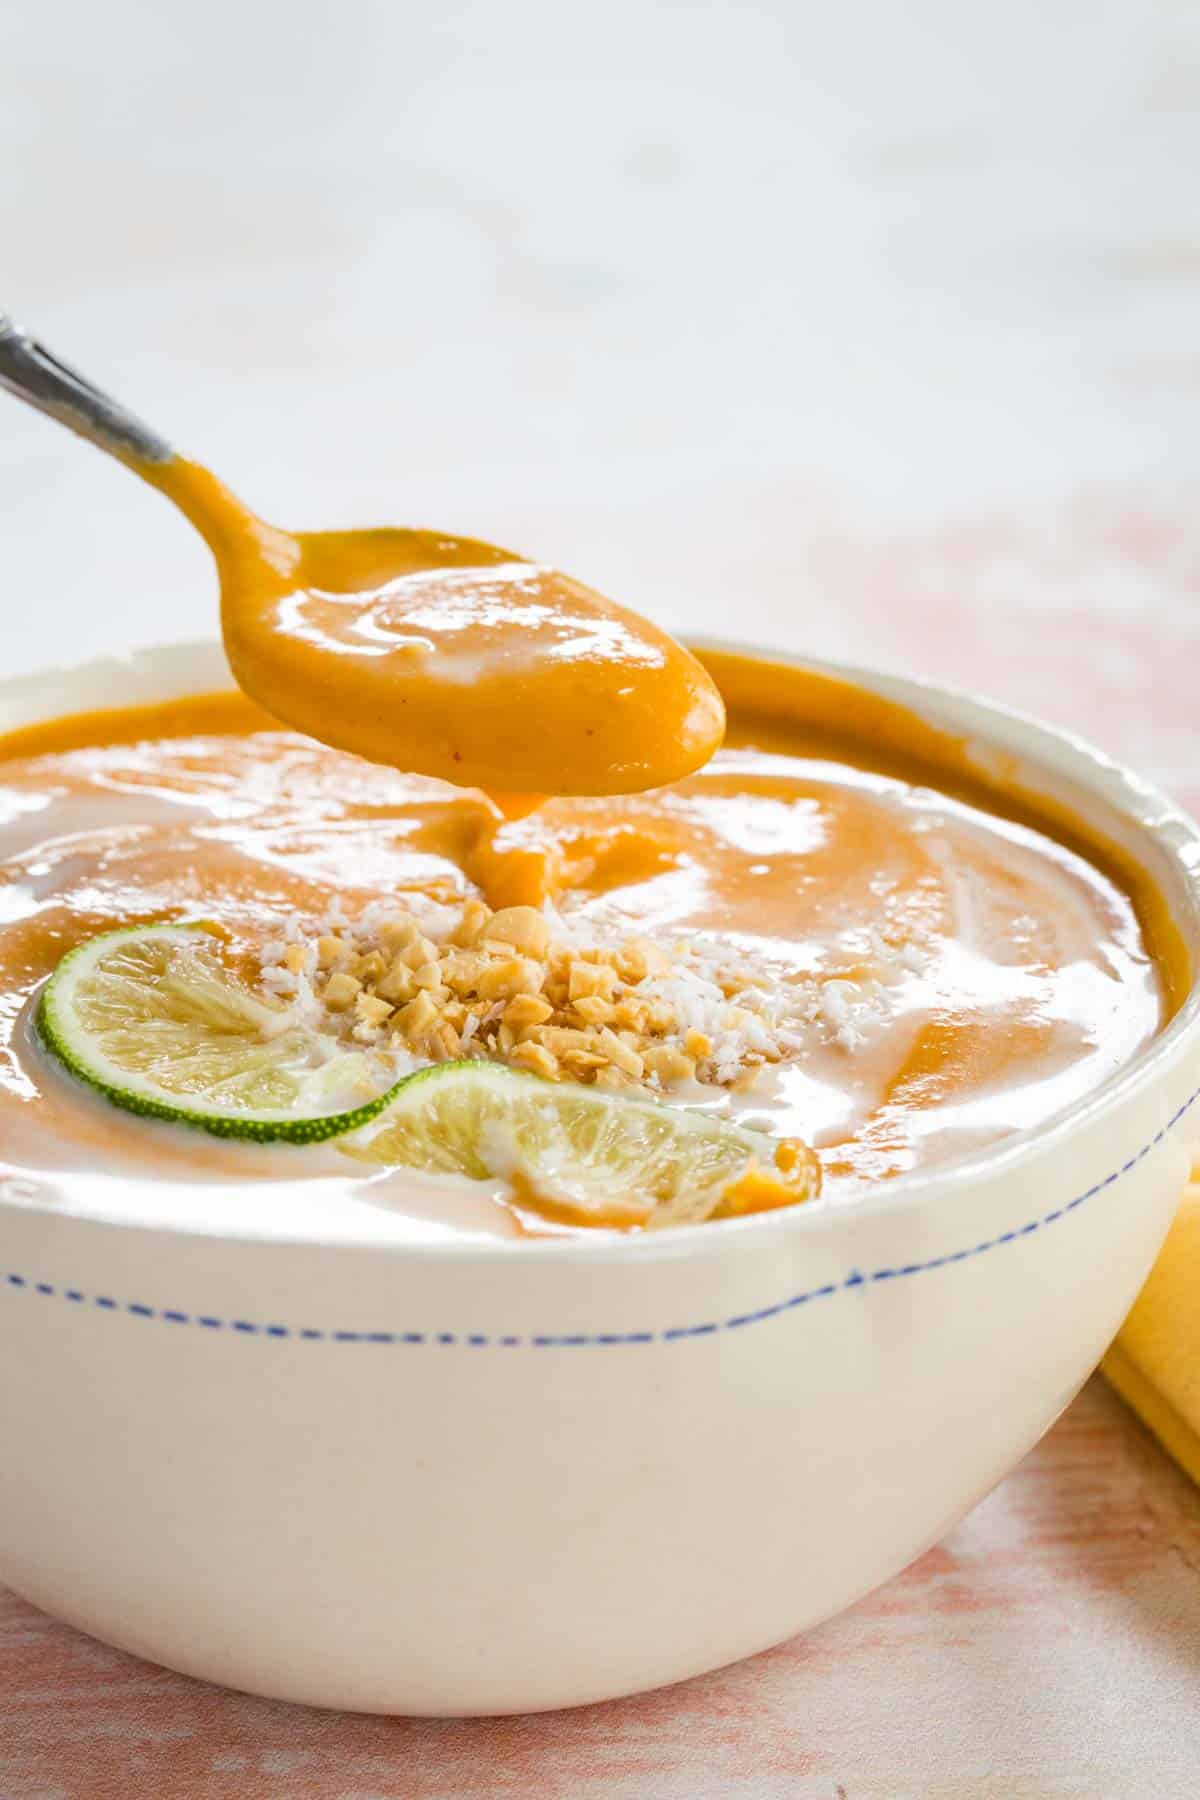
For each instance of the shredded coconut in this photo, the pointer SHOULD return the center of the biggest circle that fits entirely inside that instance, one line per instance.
(571, 998)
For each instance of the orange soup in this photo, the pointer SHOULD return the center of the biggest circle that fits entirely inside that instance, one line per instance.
(836, 939)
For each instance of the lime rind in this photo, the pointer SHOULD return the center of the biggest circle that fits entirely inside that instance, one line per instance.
(147, 1018)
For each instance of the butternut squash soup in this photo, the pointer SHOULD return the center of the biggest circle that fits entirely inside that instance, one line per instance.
(833, 934)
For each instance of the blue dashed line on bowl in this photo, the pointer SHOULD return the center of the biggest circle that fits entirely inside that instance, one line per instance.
(857, 1278)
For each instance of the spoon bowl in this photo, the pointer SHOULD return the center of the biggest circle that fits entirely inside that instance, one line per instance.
(452, 657)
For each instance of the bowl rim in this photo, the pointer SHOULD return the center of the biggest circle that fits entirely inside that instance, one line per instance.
(1142, 804)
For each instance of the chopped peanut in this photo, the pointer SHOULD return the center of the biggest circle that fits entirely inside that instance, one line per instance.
(371, 1011)
(612, 1077)
(416, 1019)
(641, 957)
(523, 928)
(593, 1010)
(587, 979)
(515, 975)
(331, 951)
(619, 1053)
(697, 1046)
(397, 984)
(561, 1039)
(341, 991)
(631, 1014)
(461, 970)
(475, 916)
(295, 958)
(526, 1010)
(398, 933)
(536, 1058)
(418, 951)
(631, 964)
(668, 1063)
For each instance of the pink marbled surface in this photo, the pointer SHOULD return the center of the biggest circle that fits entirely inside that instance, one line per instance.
(1049, 1647)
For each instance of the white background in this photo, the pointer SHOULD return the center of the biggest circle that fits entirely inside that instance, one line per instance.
(666, 292)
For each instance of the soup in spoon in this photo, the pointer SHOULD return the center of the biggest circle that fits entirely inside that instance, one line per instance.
(442, 656)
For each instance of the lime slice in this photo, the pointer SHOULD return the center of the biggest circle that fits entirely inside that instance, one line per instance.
(583, 1153)
(154, 1019)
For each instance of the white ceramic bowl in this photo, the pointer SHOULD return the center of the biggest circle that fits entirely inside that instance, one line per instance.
(471, 1480)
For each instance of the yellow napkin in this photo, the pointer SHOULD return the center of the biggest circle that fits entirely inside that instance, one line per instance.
(1155, 1362)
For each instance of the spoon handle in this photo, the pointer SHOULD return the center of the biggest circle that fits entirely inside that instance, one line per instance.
(28, 370)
